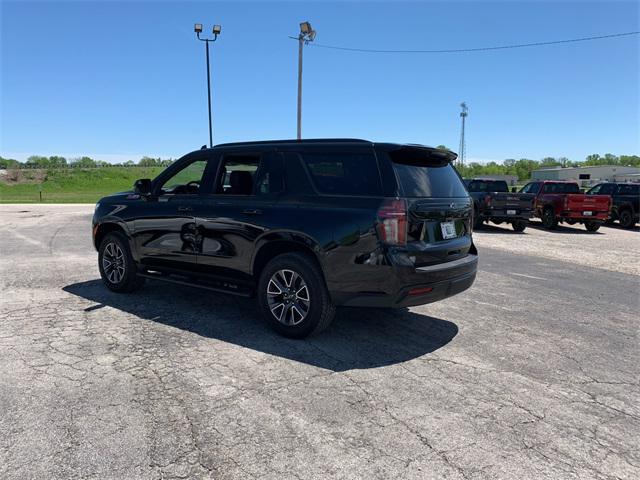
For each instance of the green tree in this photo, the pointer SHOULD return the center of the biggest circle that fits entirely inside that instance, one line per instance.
(7, 163)
(37, 161)
(84, 162)
(57, 162)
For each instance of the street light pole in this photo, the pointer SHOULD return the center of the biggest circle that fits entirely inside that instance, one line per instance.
(307, 34)
(209, 97)
(216, 31)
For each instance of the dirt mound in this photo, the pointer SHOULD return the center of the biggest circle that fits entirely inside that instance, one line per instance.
(17, 176)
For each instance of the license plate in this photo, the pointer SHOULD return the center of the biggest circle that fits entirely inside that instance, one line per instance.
(587, 214)
(448, 230)
(511, 212)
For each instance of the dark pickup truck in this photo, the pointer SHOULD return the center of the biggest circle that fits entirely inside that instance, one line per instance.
(558, 201)
(493, 202)
(625, 198)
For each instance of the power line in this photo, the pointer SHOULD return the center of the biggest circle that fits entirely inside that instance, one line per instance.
(479, 49)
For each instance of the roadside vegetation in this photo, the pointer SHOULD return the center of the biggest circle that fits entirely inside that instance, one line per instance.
(59, 180)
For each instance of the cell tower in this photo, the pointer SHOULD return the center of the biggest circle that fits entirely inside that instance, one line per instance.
(461, 150)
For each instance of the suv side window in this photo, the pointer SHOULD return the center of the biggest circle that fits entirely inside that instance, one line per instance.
(628, 189)
(250, 174)
(344, 173)
(607, 189)
(186, 180)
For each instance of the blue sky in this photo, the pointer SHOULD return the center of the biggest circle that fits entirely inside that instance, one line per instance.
(119, 80)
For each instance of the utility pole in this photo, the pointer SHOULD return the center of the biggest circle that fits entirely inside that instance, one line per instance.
(306, 35)
(216, 31)
(461, 150)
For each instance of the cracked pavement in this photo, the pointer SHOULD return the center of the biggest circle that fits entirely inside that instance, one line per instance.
(532, 373)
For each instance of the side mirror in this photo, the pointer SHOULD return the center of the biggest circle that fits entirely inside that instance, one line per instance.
(142, 186)
(514, 190)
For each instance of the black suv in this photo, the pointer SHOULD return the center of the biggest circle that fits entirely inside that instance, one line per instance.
(303, 225)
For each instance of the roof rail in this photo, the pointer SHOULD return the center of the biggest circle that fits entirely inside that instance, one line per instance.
(289, 141)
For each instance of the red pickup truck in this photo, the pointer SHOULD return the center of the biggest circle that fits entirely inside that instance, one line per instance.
(562, 202)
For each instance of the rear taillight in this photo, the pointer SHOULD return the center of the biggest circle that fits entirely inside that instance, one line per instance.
(392, 227)
(566, 203)
(487, 200)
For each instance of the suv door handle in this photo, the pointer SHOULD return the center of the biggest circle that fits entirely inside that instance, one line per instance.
(185, 209)
(252, 211)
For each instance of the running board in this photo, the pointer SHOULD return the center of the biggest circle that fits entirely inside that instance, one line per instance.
(168, 279)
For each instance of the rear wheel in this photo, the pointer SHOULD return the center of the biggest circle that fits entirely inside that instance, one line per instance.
(549, 220)
(293, 296)
(626, 219)
(117, 267)
(519, 225)
(592, 226)
(477, 220)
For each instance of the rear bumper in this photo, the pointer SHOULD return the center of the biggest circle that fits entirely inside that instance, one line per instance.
(504, 216)
(415, 286)
(598, 216)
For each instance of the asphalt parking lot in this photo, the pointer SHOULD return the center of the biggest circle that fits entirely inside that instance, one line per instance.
(533, 373)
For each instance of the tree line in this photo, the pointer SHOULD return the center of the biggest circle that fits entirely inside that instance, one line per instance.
(37, 161)
(521, 168)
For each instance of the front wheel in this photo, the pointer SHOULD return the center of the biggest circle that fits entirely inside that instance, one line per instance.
(117, 267)
(293, 296)
(519, 225)
(626, 219)
(549, 220)
(592, 226)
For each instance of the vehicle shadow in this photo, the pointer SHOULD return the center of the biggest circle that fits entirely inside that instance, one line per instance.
(357, 339)
(617, 226)
(578, 228)
(499, 229)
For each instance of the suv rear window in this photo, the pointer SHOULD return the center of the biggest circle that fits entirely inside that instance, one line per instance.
(344, 174)
(440, 181)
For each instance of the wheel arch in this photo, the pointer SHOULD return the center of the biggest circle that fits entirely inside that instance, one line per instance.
(276, 244)
(105, 228)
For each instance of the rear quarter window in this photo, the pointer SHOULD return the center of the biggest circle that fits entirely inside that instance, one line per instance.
(344, 174)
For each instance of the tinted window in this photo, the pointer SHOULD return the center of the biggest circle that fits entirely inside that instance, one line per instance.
(429, 181)
(238, 176)
(186, 180)
(608, 189)
(561, 188)
(488, 186)
(530, 188)
(629, 190)
(344, 174)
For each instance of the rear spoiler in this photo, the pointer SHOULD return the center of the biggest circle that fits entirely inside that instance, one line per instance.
(421, 155)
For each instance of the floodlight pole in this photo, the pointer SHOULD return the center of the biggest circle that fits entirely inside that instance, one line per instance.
(206, 41)
(307, 34)
(300, 44)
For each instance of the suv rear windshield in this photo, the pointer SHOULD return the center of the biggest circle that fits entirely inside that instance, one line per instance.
(488, 186)
(422, 175)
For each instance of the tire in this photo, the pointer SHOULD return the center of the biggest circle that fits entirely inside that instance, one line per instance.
(592, 226)
(626, 219)
(287, 308)
(519, 225)
(477, 220)
(549, 220)
(114, 250)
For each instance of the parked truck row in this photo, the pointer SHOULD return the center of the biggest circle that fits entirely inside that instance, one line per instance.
(554, 202)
